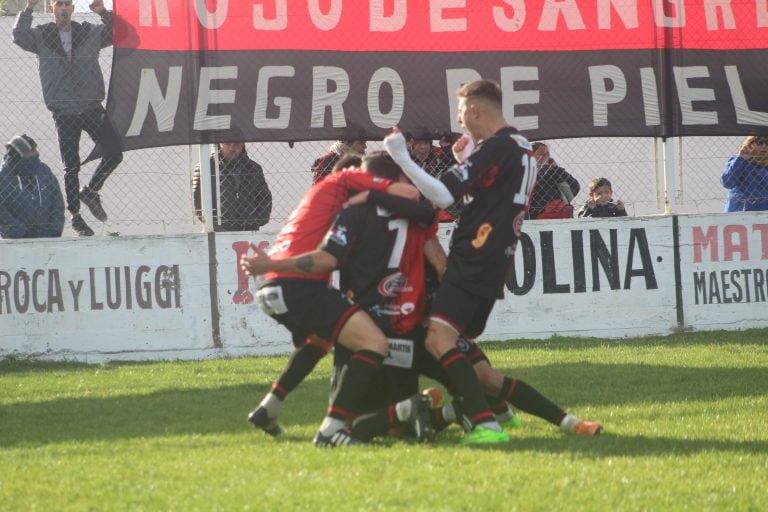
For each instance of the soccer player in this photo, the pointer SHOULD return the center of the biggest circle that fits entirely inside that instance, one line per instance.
(501, 390)
(495, 182)
(309, 307)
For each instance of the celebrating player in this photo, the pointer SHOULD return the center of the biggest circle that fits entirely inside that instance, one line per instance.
(495, 182)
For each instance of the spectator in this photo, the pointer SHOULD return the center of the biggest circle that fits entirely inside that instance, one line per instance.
(354, 142)
(73, 90)
(554, 190)
(246, 202)
(435, 160)
(600, 201)
(746, 176)
(31, 204)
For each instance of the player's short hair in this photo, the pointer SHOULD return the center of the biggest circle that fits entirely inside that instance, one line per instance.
(483, 89)
(346, 161)
(380, 164)
(596, 183)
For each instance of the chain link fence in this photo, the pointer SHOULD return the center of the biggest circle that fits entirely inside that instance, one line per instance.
(150, 190)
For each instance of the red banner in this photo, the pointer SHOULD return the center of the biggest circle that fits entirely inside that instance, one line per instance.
(190, 71)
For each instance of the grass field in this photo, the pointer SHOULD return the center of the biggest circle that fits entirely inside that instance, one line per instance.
(686, 419)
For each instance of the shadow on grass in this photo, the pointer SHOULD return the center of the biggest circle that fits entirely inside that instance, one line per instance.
(703, 338)
(608, 445)
(224, 409)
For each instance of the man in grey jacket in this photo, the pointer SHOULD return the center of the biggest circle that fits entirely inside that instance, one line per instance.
(73, 90)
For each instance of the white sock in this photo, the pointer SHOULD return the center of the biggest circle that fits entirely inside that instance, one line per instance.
(330, 426)
(491, 425)
(568, 423)
(403, 410)
(272, 404)
(504, 416)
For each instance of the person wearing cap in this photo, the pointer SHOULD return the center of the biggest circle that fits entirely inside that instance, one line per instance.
(246, 201)
(73, 90)
(434, 159)
(31, 204)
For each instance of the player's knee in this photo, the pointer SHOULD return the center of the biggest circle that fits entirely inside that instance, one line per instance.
(438, 346)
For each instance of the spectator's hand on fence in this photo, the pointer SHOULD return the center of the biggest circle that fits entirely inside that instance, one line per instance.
(462, 148)
(97, 6)
(620, 205)
(257, 263)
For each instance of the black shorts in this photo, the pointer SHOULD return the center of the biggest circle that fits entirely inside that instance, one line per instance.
(394, 383)
(463, 311)
(306, 307)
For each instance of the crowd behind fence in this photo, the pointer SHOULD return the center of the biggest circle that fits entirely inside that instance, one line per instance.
(150, 192)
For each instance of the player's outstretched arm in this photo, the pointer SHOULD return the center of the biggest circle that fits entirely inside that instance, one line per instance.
(431, 187)
(313, 262)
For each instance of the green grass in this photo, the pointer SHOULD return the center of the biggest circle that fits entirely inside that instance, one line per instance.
(686, 421)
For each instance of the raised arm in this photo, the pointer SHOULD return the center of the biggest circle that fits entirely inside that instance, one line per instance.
(107, 19)
(23, 36)
(432, 188)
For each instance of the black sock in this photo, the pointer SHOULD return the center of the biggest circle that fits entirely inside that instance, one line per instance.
(353, 384)
(302, 362)
(527, 399)
(497, 406)
(376, 423)
(465, 381)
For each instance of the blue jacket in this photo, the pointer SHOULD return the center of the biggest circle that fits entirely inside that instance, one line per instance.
(748, 184)
(31, 204)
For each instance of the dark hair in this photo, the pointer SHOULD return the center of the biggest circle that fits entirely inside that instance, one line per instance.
(422, 133)
(537, 145)
(347, 160)
(380, 164)
(599, 182)
(485, 89)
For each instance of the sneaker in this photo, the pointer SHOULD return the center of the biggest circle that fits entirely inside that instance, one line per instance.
(461, 418)
(512, 423)
(482, 435)
(587, 429)
(92, 200)
(80, 227)
(420, 418)
(258, 417)
(338, 438)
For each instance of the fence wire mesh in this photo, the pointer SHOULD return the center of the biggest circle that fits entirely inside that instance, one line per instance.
(150, 192)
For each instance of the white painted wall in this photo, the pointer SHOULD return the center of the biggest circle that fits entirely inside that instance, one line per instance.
(187, 298)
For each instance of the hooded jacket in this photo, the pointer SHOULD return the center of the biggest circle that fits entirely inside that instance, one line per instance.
(31, 203)
(69, 87)
(245, 196)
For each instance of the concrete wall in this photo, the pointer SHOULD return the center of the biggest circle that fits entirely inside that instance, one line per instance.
(184, 296)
